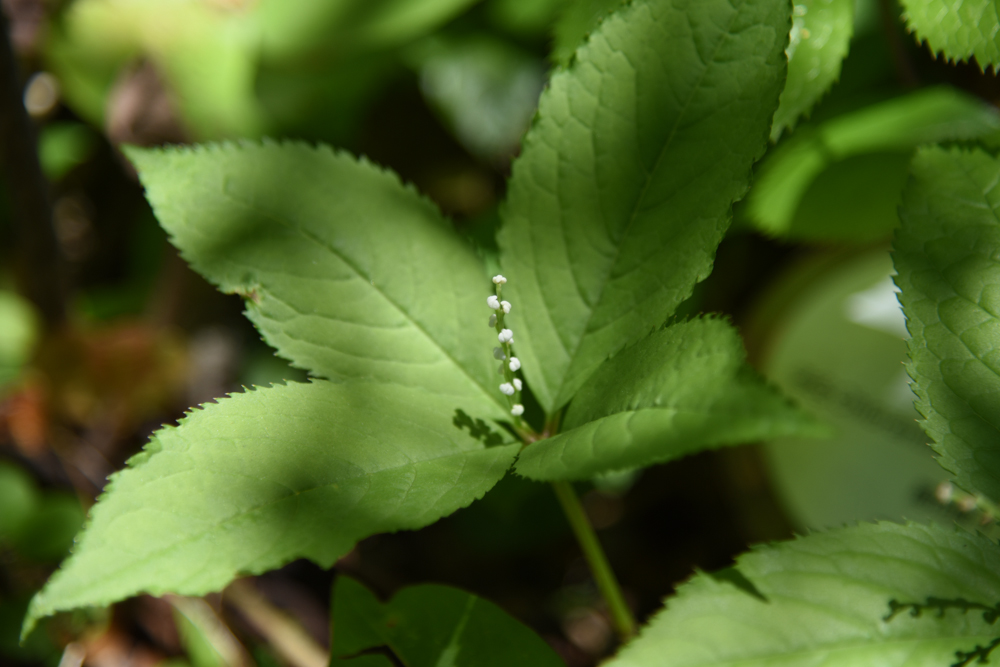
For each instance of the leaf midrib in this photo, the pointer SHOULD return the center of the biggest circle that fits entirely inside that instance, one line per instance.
(239, 515)
(641, 197)
(367, 279)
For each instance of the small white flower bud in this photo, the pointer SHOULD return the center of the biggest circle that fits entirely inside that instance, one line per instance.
(493, 320)
(498, 354)
(499, 280)
(944, 492)
(517, 384)
(517, 410)
(507, 388)
(506, 306)
(493, 302)
(505, 336)
(515, 364)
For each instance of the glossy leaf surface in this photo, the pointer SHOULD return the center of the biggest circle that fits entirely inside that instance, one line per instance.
(624, 186)
(818, 43)
(681, 390)
(267, 476)
(946, 257)
(825, 600)
(958, 30)
(347, 273)
(840, 180)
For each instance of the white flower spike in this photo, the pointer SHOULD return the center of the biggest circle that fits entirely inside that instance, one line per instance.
(506, 306)
(493, 302)
(517, 384)
(515, 364)
(507, 388)
(505, 336)
(499, 280)
(517, 410)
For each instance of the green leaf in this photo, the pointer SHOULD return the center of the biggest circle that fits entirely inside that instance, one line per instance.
(946, 257)
(19, 498)
(530, 18)
(683, 389)
(47, 536)
(824, 600)
(389, 22)
(19, 332)
(959, 30)
(577, 20)
(296, 31)
(267, 476)
(64, 145)
(431, 626)
(484, 88)
(625, 183)
(206, 57)
(861, 155)
(818, 43)
(347, 273)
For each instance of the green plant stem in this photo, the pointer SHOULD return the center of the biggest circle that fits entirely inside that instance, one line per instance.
(621, 615)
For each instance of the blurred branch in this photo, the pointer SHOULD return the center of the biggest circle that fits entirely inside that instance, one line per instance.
(37, 252)
(285, 636)
(212, 628)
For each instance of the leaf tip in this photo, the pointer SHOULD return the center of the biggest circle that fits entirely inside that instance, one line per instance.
(30, 620)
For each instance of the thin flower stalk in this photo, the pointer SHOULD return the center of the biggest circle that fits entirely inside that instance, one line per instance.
(509, 364)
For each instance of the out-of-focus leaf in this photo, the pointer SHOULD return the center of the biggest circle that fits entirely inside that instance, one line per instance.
(389, 22)
(831, 334)
(626, 180)
(865, 153)
(946, 256)
(19, 500)
(37, 649)
(206, 53)
(290, 30)
(323, 96)
(681, 390)
(86, 67)
(48, 533)
(430, 626)
(62, 146)
(485, 88)
(528, 17)
(242, 68)
(825, 600)
(959, 30)
(821, 32)
(267, 476)
(18, 334)
(578, 19)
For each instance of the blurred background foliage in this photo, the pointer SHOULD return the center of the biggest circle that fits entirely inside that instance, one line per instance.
(105, 334)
